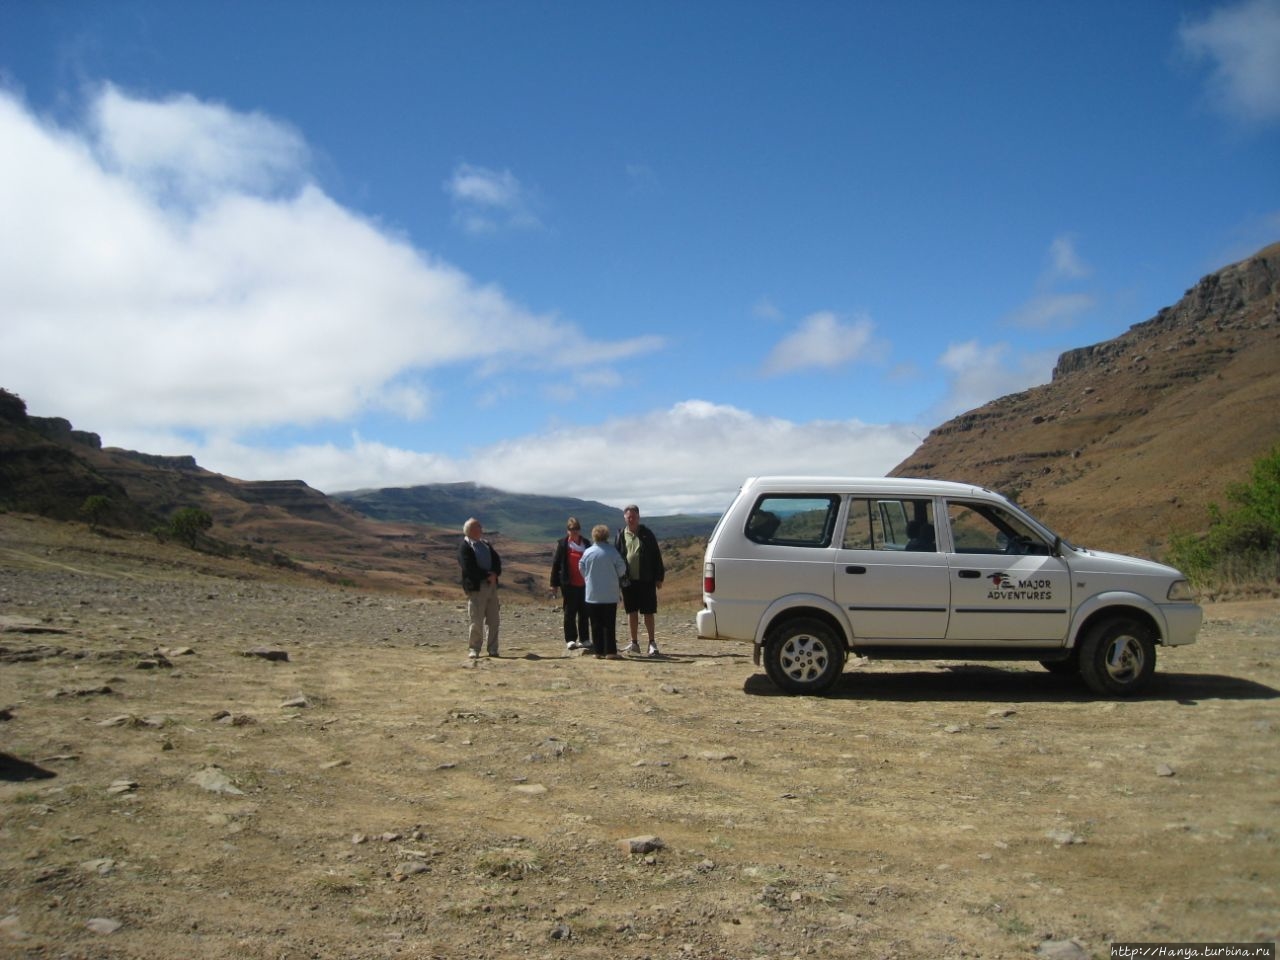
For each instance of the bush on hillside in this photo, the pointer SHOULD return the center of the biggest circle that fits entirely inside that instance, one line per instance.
(95, 509)
(1242, 545)
(187, 524)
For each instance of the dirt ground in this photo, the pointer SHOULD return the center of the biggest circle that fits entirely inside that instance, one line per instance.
(164, 795)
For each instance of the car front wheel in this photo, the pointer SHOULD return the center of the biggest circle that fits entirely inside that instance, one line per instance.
(803, 656)
(1118, 657)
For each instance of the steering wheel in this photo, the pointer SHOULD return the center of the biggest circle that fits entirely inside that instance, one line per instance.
(1018, 545)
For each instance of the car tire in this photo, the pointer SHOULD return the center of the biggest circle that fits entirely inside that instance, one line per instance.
(803, 656)
(1118, 657)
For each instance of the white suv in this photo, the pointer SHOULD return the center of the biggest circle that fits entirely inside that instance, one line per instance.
(811, 569)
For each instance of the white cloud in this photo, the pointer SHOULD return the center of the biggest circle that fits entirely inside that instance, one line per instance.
(822, 341)
(979, 373)
(1052, 309)
(691, 457)
(183, 148)
(766, 309)
(1050, 306)
(1064, 261)
(486, 201)
(172, 278)
(1242, 42)
(171, 267)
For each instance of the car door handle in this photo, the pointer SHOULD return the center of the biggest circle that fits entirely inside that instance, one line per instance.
(855, 569)
(970, 574)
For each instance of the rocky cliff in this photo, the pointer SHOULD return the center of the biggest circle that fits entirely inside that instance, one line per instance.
(1133, 437)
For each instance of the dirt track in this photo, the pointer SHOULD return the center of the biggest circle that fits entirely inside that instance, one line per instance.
(409, 804)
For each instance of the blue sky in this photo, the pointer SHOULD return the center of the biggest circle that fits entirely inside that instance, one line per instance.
(627, 252)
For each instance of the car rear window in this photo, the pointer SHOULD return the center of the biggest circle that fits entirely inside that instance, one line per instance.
(793, 520)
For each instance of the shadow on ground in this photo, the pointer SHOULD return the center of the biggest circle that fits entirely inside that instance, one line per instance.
(991, 684)
(16, 770)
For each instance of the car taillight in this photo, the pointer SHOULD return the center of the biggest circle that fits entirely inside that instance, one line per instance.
(708, 578)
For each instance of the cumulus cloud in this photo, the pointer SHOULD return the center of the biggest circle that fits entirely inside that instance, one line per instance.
(172, 278)
(486, 201)
(823, 341)
(979, 372)
(183, 148)
(690, 457)
(171, 265)
(1242, 44)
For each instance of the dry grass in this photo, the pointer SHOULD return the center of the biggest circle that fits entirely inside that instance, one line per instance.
(421, 806)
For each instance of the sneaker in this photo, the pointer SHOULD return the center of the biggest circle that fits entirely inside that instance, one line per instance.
(632, 648)
(473, 654)
(572, 645)
(653, 650)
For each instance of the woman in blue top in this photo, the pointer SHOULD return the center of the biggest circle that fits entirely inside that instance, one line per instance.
(602, 567)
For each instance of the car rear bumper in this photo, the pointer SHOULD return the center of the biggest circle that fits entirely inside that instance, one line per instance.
(707, 624)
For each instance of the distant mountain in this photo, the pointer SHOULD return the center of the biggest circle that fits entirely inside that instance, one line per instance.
(1134, 437)
(520, 516)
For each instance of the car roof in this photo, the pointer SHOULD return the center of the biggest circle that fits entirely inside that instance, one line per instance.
(880, 485)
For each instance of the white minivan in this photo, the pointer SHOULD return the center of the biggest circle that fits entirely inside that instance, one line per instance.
(811, 569)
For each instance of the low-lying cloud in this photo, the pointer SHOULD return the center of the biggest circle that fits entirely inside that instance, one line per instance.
(690, 457)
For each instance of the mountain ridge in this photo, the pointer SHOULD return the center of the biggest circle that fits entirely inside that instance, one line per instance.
(518, 515)
(1134, 437)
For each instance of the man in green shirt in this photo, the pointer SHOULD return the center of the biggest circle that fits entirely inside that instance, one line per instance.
(645, 573)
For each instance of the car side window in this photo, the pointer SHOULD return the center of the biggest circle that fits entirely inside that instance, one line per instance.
(890, 524)
(985, 528)
(793, 521)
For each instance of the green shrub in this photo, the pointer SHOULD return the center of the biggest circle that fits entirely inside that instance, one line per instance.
(1242, 544)
(95, 507)
(188, 523)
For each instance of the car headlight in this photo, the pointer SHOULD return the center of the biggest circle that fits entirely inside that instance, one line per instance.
(1181, 590)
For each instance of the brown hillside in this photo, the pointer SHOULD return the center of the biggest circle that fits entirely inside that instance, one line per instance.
(1134, 437)
(48, 468)
(289, 519)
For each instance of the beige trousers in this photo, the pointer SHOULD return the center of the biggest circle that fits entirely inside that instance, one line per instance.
(482, 609)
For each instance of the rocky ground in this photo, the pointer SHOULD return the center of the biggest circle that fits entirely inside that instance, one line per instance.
(197, 762)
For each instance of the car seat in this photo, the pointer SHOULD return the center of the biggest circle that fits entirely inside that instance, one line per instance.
(920, 537)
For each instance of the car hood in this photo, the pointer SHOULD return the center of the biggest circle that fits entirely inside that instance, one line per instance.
(1099, 561)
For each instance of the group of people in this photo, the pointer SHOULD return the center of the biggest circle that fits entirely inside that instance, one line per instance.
(592, 578)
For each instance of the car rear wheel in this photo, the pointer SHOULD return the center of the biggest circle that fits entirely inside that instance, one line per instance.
(1118, 657)
(803, 656)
